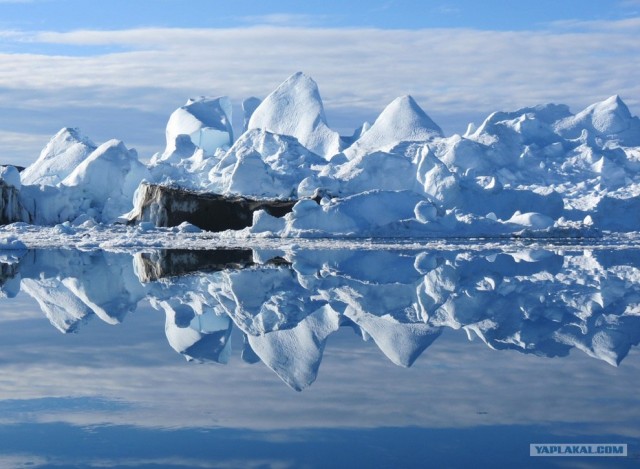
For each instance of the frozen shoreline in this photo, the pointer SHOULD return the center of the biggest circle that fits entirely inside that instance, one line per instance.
(20, 236)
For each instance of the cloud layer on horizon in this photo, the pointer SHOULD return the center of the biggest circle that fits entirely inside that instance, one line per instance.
(120, 84)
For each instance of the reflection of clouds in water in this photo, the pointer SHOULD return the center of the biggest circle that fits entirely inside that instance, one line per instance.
(120, 446)
(18, 309)
(19, 461)
(447, 387)
(507, 300)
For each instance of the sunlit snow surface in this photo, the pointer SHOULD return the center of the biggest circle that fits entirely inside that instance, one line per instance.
(539, 169)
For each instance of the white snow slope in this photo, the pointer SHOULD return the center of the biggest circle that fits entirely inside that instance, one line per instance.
(295, 109)
(66, 150)
(539, 170)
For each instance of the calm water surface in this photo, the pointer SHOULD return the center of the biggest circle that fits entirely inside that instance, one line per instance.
(308, 358)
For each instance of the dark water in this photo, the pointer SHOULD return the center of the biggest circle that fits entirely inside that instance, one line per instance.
(308, 358)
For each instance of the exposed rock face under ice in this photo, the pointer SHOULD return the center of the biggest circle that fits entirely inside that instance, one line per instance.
(11, 209)
(170, 206)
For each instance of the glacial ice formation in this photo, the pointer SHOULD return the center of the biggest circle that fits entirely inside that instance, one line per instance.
(295, 109)
(401, 121)
(66, 150)
(207, 122)
(539, 171)
(101, 187)
(249, 106)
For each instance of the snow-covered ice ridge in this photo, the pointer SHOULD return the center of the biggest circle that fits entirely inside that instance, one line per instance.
(540, 170)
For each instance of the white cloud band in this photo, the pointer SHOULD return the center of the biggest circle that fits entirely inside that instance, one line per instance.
(453, 73)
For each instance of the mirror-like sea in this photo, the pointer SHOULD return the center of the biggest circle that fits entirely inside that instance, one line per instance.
(318, 358)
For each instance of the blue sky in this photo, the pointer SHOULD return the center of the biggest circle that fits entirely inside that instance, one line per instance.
(117, 69)
(65, 15)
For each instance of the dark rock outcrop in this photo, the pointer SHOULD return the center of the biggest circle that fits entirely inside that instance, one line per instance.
(11, 209)
(170, 206)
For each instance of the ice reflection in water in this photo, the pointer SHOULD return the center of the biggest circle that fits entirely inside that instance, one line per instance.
(287, 304)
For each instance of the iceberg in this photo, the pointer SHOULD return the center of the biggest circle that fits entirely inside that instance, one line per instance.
(107, 179)
(101, 187)
(66, 150)
(536, 171)
(249, 106)
(264, 165)
(295, 109)
(207, 122)
(609, 119)
(401, 121)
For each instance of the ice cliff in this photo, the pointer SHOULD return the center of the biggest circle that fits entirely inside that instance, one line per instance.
(538, 170)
